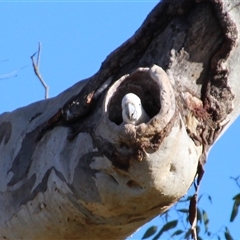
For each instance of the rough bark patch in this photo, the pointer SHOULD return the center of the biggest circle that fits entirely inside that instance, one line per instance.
(5, 132)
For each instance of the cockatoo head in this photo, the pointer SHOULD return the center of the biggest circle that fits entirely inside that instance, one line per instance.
(132, 110)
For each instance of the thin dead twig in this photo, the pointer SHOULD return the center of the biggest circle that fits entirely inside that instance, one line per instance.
(237, 180)
(11, 74)
(37, 72)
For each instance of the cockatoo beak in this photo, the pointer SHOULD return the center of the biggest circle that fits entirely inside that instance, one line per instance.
(131, 111)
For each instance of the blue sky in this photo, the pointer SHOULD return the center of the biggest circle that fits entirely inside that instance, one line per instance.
(76, 37)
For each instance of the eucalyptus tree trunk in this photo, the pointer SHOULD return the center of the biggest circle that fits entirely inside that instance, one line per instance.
(70, 169)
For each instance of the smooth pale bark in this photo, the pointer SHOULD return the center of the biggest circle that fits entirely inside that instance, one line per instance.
(71, 170)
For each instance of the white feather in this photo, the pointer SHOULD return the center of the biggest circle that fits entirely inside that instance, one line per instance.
(132, 110)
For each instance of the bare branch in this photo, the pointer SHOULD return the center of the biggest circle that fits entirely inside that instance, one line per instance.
(8, 75)
(37, 72)
(237, 180)
(4, 60)
(39, 52)
(11, 74)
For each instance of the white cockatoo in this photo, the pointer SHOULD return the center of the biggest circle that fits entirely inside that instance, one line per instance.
(132, 110)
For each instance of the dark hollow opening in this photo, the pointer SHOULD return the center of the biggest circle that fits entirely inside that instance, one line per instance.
(141, 84)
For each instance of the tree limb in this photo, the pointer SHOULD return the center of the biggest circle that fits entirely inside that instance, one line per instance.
(91, 176)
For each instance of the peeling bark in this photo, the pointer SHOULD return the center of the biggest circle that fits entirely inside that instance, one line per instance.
(71, 170)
